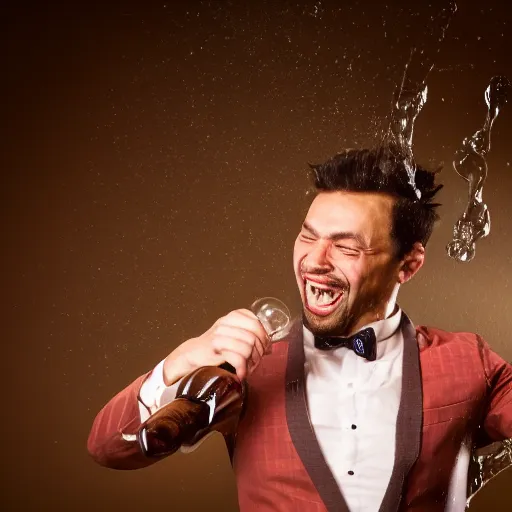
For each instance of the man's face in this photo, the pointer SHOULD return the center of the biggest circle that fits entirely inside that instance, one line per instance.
(344, 261)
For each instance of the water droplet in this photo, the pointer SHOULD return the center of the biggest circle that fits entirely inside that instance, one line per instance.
(411, 96)
(471, 165)
(405, 111)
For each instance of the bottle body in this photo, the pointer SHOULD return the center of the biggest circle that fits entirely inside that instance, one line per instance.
(208, 399)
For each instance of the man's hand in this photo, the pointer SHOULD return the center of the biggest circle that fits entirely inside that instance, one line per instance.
(237, 338)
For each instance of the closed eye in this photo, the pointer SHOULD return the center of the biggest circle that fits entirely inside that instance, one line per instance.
(351, 251)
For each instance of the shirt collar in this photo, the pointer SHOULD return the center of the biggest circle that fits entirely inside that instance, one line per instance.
(386, 327)
(383, 329)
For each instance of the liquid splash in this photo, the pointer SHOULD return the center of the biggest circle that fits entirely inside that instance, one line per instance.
(470, 164)
(411, 95)
(405, 111)
(485, 466)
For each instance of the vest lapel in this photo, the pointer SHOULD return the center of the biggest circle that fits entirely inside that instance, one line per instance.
(409, 421)
(300, 428)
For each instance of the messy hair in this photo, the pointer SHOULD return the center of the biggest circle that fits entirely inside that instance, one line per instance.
(383, 170)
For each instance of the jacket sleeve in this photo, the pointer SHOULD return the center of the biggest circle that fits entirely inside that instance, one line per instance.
(121, 415)
(497, 421)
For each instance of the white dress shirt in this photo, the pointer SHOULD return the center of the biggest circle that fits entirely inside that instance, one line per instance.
(353, 405)
(357, 436)
(154, 393)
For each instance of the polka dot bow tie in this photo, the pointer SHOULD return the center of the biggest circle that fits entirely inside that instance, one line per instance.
(363, 343)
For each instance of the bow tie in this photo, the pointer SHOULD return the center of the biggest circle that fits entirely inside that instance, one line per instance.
(363, 343)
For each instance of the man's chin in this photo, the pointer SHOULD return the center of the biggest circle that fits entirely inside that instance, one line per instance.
(329, 325)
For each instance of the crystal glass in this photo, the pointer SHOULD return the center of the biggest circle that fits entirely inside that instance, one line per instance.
(274, 315)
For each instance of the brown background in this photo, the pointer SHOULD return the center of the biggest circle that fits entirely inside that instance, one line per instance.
(154, 179)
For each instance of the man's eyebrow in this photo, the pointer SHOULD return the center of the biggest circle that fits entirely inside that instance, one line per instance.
(308, 227)
(338, 235)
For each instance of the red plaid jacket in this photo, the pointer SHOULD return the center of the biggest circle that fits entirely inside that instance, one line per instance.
(453, 385)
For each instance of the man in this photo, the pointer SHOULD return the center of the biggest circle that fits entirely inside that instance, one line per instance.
(358, 410)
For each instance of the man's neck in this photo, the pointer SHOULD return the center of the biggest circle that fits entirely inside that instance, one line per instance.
(387, 309)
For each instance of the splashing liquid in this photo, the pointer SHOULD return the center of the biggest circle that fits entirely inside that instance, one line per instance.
(470, 164)
(405, 111)
(411, 95)
(485, 466)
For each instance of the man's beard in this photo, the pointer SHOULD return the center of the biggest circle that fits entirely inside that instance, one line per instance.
(336, 324)
(341, 322)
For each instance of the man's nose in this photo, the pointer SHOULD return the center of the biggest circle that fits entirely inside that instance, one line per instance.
(319, 256)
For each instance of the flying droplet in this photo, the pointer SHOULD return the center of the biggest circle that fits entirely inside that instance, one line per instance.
(470, 164)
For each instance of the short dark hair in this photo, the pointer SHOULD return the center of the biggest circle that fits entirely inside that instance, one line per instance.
(382, 169)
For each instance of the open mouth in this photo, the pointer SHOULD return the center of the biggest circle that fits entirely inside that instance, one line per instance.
(321, 298)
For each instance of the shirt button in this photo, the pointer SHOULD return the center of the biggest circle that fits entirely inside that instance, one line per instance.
(350, 472)
(354, 427)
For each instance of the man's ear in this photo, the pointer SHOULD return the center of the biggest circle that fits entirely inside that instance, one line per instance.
(411, 263)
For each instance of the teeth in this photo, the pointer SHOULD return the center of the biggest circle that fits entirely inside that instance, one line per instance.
(320, 296)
